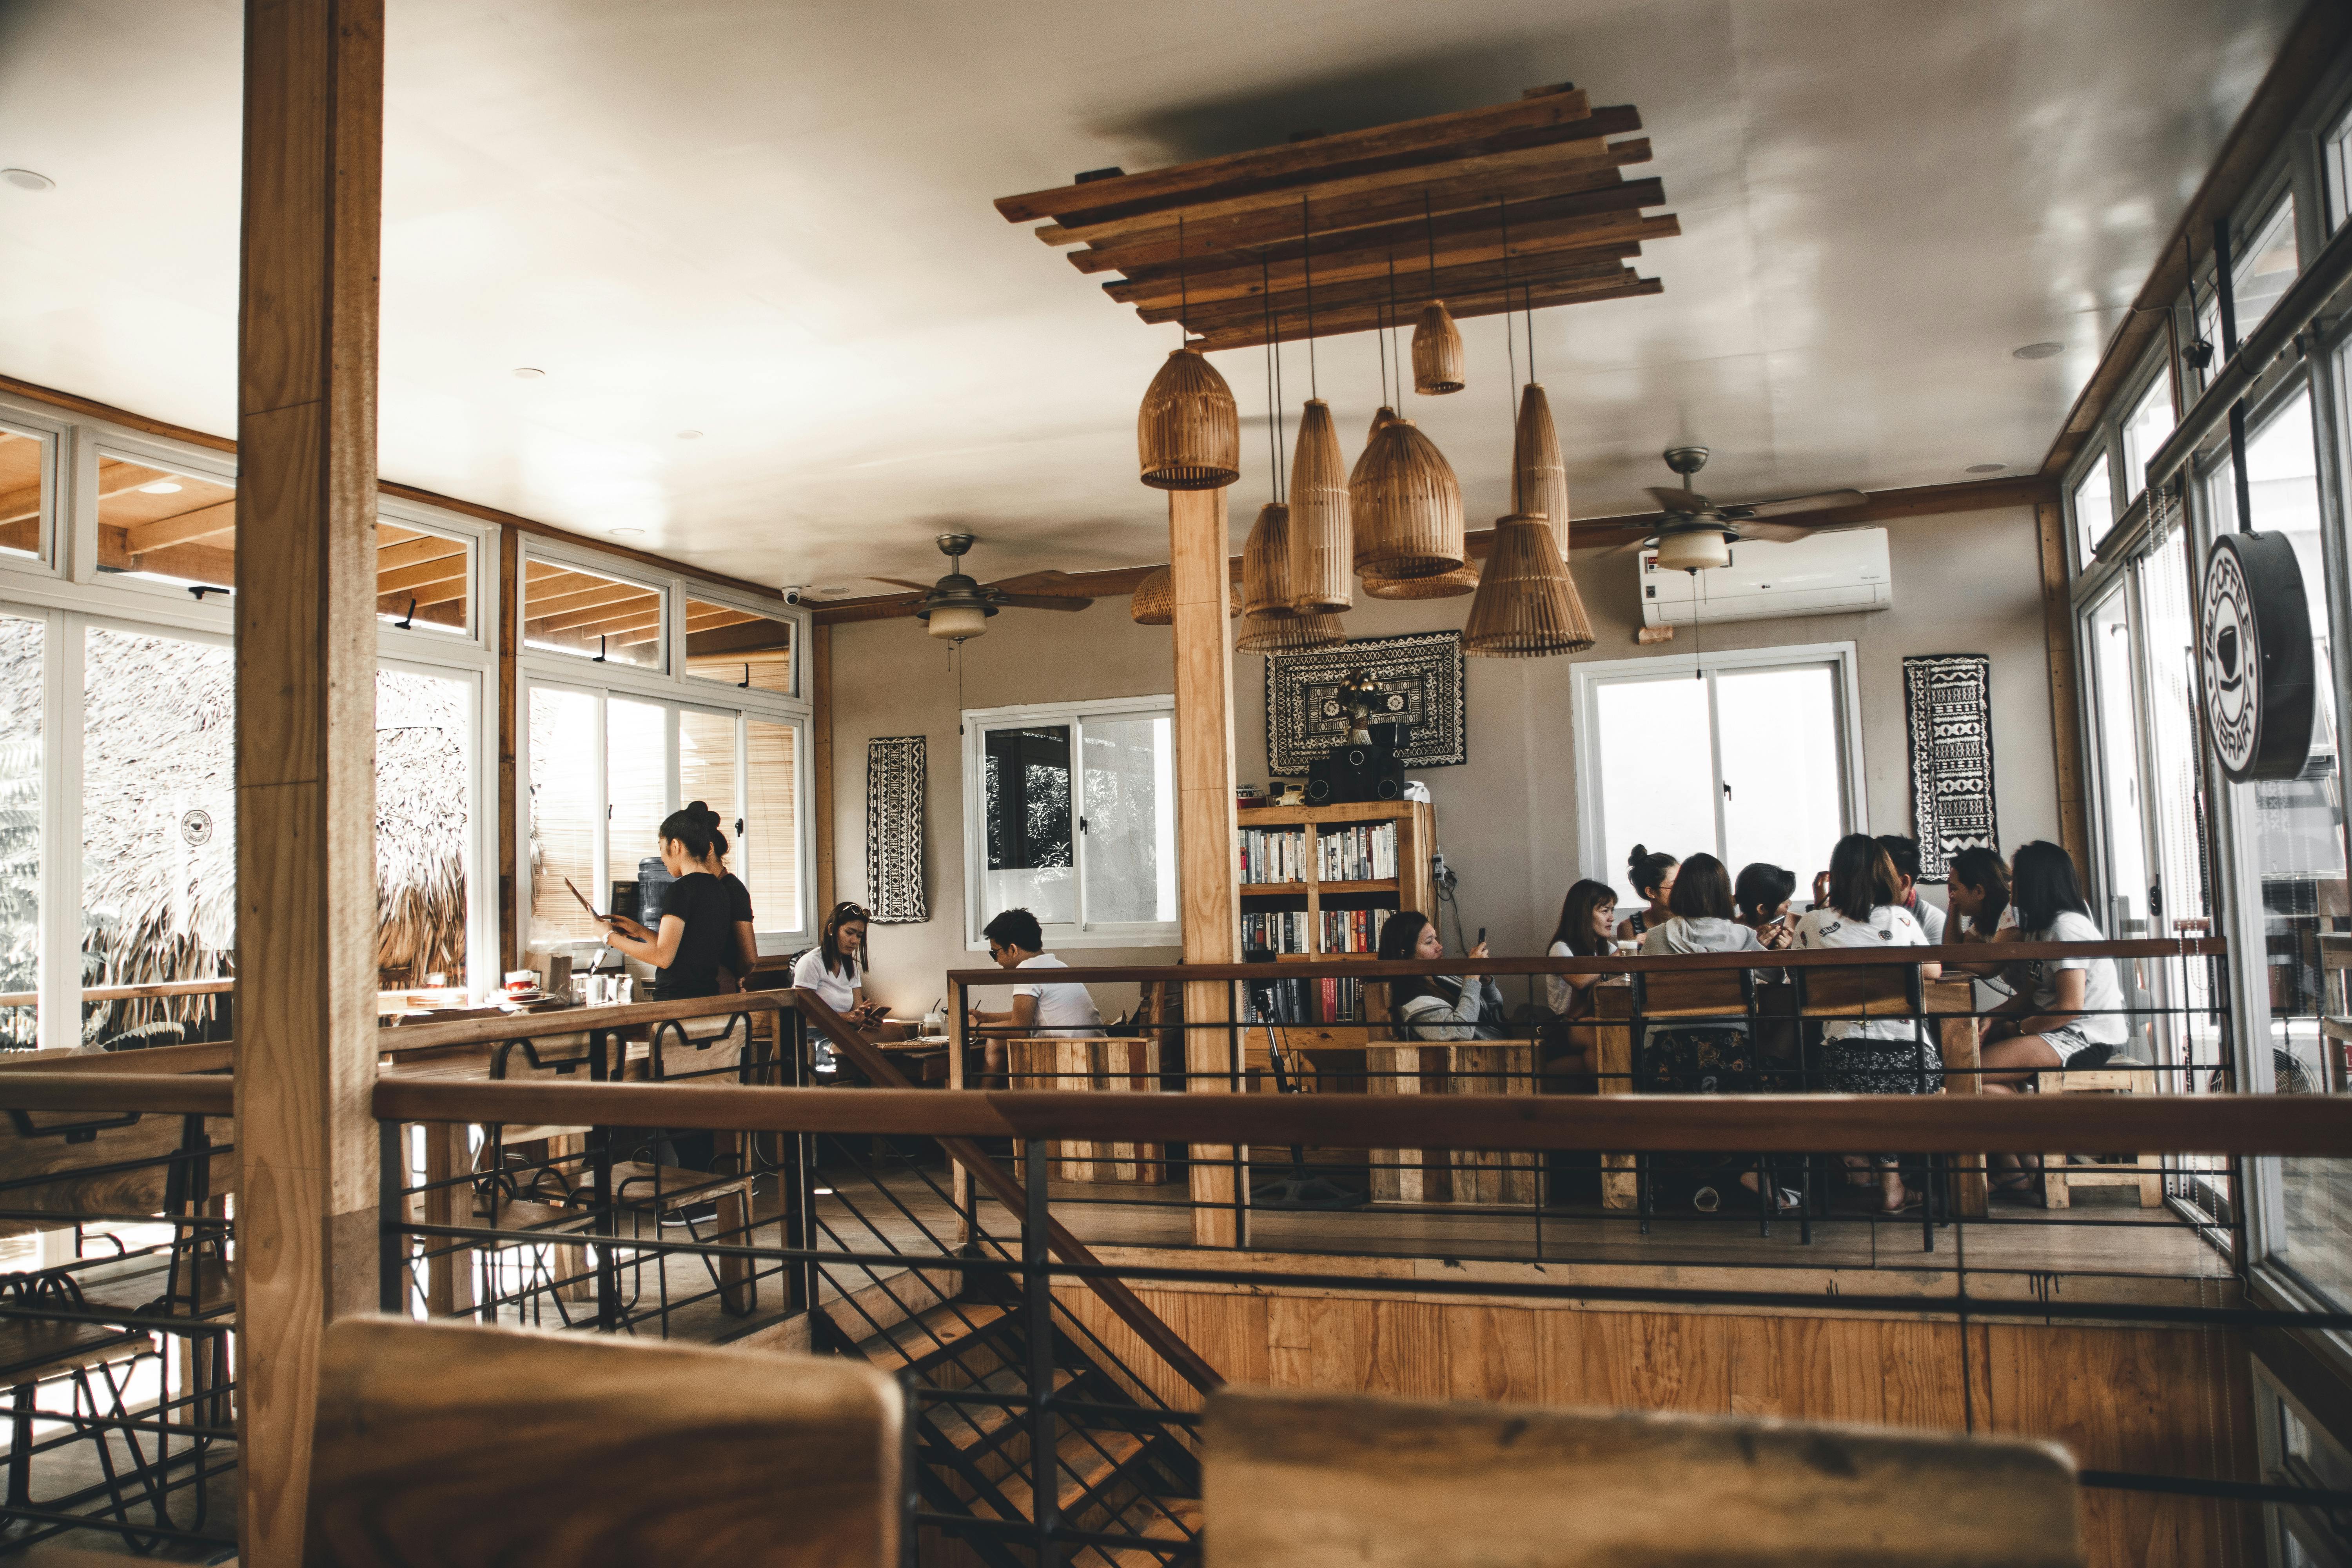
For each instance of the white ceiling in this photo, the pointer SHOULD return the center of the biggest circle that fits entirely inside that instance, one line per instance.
(771, 223)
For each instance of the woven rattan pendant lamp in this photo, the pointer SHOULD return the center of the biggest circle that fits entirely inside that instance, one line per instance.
(1437, 367)
(1154, 601)
(1462, 579)
(1539, 481)
(1282, 636)
(1407, 506)
(1322, 535)
(1265, 565)
(1522, 610)
(1188, 434)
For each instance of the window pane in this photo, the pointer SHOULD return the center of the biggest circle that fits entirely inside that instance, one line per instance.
(706, 766)
(164, 526)
(159, 827)
(20, 827)
(1130, 820)
(565, 816)
(2338, 174)
(2143, 432)
(567, 610)
(421, 766)
(1030, 865)
(1784, 788)
(2094, 512)
(1657, 777)
(636, 791)
(24, 493)
(770, 853)
(2264, 269)
(736, 646)
(2175, 796)
(422, 579)
(2119, 793)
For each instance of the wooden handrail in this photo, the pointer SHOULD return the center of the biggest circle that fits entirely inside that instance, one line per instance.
(156, 990)
(404, 1037)
(204, 1055)
(160, 1093)
(1976, 953)
(1164, 1340)
(2297, 1124)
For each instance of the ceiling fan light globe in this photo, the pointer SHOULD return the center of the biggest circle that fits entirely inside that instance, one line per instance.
(1697, 551)
(954, 623)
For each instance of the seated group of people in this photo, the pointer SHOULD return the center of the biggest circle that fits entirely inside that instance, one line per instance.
(2061, 1014)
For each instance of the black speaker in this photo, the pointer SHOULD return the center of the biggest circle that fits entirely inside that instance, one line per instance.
(1350, 773)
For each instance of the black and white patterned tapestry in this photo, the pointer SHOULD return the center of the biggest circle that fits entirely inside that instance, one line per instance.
(894, 830)
(1421, 677)
(1949, 699)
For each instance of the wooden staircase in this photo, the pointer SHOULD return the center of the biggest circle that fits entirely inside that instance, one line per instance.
(972, 1459)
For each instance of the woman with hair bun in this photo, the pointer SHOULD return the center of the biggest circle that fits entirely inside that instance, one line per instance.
(744, 950)
(1653, 877)
(697, 936)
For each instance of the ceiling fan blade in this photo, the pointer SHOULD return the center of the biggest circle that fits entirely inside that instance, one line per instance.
(1684, 503)
(1038, 583)
(1826, 500)
(1040, 601)
(902, 582)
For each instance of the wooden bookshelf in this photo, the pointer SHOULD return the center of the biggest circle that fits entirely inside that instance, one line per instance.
(1416, 836)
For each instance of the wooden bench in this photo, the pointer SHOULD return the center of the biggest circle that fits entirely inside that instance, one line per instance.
(1487, 1177)
(1103, 1065)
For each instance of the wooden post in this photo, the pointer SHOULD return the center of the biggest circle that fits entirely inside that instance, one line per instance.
(1204, 831)
(2065, 721)
(1955, 1036)
(820, 687)
(514, 924)
(306, 1139)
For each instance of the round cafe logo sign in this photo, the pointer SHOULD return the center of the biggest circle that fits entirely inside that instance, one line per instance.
(2254, 641)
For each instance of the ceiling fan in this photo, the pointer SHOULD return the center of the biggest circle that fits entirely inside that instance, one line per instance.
(1693, 533)
(956, 608)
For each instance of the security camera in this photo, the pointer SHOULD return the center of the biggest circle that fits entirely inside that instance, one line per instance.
(792, 595)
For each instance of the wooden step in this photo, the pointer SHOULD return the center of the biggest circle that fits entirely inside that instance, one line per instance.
(864, 1306)
(938, 1340)
(1088, 1466)
(993, 1438)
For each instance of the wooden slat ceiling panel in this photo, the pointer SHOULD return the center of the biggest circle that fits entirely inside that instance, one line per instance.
(1445, 207)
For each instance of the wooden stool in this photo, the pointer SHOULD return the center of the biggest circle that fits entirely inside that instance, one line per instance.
(1103, 1064)
(2145, 1172)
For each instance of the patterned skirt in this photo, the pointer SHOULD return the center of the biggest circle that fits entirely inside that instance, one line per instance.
(1858, 1066)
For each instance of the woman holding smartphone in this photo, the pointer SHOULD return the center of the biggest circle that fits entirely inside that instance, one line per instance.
(696, 935)
(836, 971)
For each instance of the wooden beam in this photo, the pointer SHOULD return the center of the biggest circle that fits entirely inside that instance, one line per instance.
(196, 563)
(1411, 289)
(114, 477)
(181, 528)
(1525, 176)
(2065, 710)
(751, 637)
(1211, 912)
(430, 573)
(584, 607)
(508, 701)
(820, 691)
(1492, 302)
(306, 633)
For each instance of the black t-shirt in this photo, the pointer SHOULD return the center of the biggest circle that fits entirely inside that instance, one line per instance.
(700, 900)
(738, 898)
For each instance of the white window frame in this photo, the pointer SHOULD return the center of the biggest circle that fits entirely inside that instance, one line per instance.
(57, 436)
(1084, 934)
(732, 599)
(1591, 675)
(628, 573)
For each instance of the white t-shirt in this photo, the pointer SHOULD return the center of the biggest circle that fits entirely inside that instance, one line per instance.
(1931, 917)
(1559, 995)
(1064, 1006)
(836, 991)
(1889, 925)
(2101, 991)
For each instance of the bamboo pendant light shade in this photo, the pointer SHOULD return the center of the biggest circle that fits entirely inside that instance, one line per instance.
(1437, 367)
(1293, 632)
(1525, 607)
(1407, 506)
(1265, 565)
(1188, 434)
(1322, 543)
(1462, 579)
(1154, 603)
(1541, 477)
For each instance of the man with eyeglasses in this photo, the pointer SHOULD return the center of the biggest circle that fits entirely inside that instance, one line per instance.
(1040, 1006)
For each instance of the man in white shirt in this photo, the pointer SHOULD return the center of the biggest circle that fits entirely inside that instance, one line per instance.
(1040, 1006)
(1904, 853)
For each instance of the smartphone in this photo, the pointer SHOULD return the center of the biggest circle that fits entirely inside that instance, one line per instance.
(1482, 936)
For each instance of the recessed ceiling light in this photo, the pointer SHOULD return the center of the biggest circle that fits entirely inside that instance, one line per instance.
(160, 488)
(625, 532)
(2037, 351)
(689, 435)
(1986, 467)
(829, 590)
(529, 373)
(26, 180)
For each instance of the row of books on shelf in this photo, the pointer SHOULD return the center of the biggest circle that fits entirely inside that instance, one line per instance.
(1353, 931)
(1330, 1001)
(1362, 852)
(1284, 931)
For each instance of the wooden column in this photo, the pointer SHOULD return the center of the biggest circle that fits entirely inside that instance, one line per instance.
(514, 926)
(2065, 707)
(306, 637)
(820, 687)
(1204, 830)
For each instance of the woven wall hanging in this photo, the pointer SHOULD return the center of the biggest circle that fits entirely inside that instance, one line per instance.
(1305, 717)
(894, 830)
(1948, 698)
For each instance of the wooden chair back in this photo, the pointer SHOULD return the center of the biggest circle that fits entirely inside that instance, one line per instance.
(1868, 991)
(465, 1448)
(58, 1145)
(1318, 1480)
(707, 1051)
(1693, 993)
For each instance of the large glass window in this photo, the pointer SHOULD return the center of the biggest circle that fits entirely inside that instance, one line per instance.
(767, 846)
(637, 794)
(2145, 429)
(2094, 510)
(25, 462)
(737, 646)
(22, 670)
(2262, 266)
(566, 609)
(1743, 763)
(566, 815)
(1072, 818)
(2115, 726)
(424, 725)
(423, 581)
(164, 525)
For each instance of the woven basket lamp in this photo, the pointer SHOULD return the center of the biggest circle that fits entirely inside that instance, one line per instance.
(1541, 480)
(1524, 608)
(1188, 434)
(1154, 603)
(1265, 565)
(1407, 506)
(1294, 632)
(1436, 352)
(1462, 579)
(1322, 546)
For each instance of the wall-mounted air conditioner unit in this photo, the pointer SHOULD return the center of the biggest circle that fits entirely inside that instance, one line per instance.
(1828, 574)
